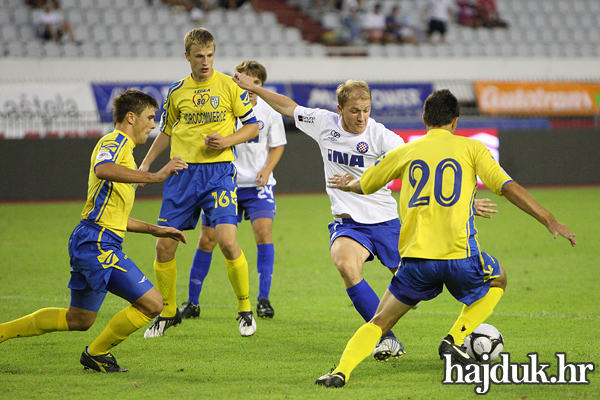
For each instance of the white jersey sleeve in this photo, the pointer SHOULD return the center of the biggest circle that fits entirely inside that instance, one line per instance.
(252, 155)
(344, 152)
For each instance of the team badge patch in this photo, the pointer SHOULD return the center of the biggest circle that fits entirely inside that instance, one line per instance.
(362, 147)
(214, 101)
(261, 125)
(103, 156)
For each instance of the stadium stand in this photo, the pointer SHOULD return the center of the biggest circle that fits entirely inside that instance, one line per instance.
(131, 28)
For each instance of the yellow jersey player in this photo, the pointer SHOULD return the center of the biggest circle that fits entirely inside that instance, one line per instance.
(199, 124)
(438, 240)
(95, 247)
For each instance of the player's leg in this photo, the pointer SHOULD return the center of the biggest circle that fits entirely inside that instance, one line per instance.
(475, 312)
(363, 342)
(45, 320)
(165, 273)
(265, 260)
(237, 272)
(199, 271)
(479, 283)
(129, 283)
(179, 209)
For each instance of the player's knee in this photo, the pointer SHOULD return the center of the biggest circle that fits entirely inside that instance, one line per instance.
(207, 244)
(79, 322)
(165, 249)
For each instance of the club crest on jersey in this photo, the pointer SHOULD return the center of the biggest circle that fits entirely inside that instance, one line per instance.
(103, 156)
(362, 147)
(261, 125)
(214, 102)
(200, 99)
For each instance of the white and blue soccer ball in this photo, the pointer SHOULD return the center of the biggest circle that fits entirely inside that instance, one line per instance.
(484, 339)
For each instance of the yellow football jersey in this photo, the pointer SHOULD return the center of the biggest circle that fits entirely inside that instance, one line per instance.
(109, 203)
(194, 110)
(439, 183)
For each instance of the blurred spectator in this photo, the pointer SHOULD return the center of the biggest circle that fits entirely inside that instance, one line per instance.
(351, 19)
(488, 12)
(399, 29)
(52, 25)
(373, 24)
(231, 4)
(438, 14)
(467, 13)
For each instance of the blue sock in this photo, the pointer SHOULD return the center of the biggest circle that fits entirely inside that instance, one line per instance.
(365, 301)
(200, 267)
(265, 258)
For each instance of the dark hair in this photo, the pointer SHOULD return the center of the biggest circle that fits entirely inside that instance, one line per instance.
(254, 69)
(440, 108)
(131, 100)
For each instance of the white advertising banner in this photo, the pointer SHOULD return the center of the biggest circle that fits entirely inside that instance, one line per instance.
(40, 109)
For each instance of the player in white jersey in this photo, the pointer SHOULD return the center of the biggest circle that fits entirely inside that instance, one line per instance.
(255, 162)
(364, 226)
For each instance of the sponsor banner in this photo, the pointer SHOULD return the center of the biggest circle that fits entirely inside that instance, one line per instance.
(388, 99)
(538, 98)
(36, 108)
(488, 136)
(104, 94)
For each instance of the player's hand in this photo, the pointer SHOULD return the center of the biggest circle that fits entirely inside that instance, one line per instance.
(482, 208)
(262, 178)
(215, 141)
(556, 228)
(175, 164)
(168, 232)
(243, 81)
(346, 183)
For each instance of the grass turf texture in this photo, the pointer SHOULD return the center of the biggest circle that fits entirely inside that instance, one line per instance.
(551, 305)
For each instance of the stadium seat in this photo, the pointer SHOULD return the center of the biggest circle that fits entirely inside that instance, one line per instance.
(110, 17)
(99, 34)
(123, 49)
(292, 35)
(164, 16)
(273, 34)
(375, 50)
(93, 17)
(215, 17)
(89, 50)
(21, 16)
(16, 49)
(268, 18)
(128, 18)
(233, 18)
(159, 50)
(106, 49)
(171, 34)
(70, 50)
(141, 49)
(257, 35)
(34, 49)
(87, 4)
(117, 34)
(52, 49)
(9, 33)
(153, 34)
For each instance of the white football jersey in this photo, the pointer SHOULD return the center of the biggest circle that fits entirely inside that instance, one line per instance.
(252, 155)
(344, 152)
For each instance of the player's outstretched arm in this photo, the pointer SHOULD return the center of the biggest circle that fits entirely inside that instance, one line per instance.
(345, 182)
(117, 173)
(280, 103)
(517, 195)
(482, 208)
(134, 225)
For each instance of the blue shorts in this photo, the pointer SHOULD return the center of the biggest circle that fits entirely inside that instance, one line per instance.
(467, 279)
(98, 265)
(208, 187)
(380, 239)
(253, 203)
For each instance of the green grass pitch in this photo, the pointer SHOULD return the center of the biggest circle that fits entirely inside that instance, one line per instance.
(552, 304)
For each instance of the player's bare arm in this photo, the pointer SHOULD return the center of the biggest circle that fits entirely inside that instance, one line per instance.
(346, 183)
(280, 103)
(275, 153)
(217, 142)
(117, 173)
(134, 225)
(482, 208)
(160, 144)
(517, 195)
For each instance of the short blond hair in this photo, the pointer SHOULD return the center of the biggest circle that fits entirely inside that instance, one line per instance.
(254, 69)
(352, 89)
(199, 36)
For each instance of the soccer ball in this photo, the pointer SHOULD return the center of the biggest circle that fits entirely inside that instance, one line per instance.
(484, 339)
